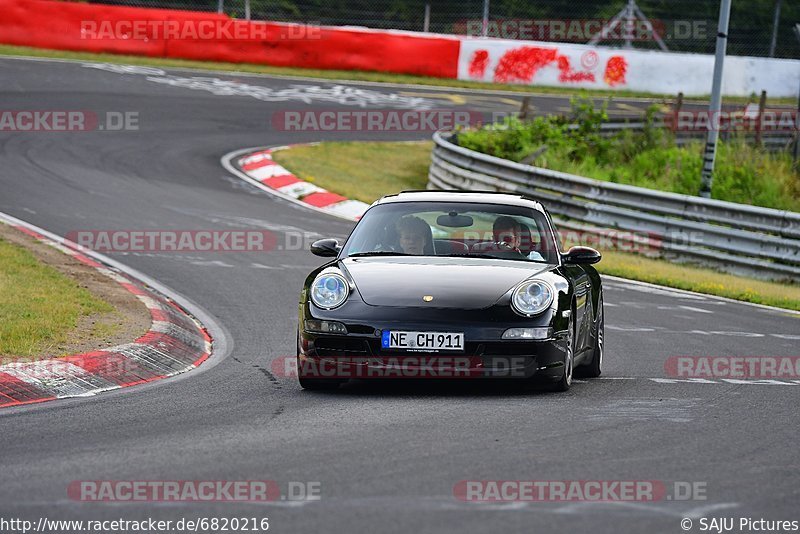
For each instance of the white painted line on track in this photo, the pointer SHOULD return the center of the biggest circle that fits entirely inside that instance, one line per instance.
(683, 293)
(405, 86)
(703, 381)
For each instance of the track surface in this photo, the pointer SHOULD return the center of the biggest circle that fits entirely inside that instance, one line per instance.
(387, 456)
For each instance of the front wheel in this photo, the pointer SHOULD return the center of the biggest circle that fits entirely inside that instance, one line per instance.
(564, 383)
(594, 368)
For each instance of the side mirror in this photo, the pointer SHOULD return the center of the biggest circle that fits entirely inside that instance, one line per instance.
(581, 256)
(327, 248)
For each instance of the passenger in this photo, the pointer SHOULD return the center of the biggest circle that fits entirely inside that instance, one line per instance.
(414, 235)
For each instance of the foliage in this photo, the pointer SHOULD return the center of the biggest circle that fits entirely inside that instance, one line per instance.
(647, 158)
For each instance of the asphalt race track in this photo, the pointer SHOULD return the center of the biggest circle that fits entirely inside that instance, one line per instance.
(387, 456)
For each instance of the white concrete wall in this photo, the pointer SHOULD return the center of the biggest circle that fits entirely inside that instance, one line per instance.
(574, 65)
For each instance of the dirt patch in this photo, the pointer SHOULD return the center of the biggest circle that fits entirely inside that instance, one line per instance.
(129, 320)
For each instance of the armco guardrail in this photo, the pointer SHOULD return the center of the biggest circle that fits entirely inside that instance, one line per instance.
(734, 237)
(770, 139)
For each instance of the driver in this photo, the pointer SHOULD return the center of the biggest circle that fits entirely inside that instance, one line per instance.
(508, 236)
(507, 233)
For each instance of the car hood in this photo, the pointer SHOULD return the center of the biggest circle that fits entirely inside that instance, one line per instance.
(465, 283)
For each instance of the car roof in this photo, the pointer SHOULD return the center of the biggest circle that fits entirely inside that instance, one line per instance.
(485, 197)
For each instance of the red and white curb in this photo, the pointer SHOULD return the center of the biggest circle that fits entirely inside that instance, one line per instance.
(175, 343)
(258, 167)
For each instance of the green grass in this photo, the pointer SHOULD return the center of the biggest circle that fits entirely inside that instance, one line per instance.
(743, 173)
(39, 306)
(655, 271)
(367, 171)
(10, 50)
(361, 171)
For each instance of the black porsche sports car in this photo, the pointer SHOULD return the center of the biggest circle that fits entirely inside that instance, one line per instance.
(451, 284)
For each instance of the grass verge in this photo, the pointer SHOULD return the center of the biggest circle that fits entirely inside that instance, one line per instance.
(39, 306)
(361, 171)
(699, 280)
(53, 305)
(366, 171)
(360, 76)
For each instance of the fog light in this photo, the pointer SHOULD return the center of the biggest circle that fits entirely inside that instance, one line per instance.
(325, 327)
(527, 333)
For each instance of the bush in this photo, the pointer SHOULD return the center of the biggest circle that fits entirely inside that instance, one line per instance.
(647, 158)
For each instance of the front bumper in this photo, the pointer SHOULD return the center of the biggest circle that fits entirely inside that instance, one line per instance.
(361, 356)
(359, 353)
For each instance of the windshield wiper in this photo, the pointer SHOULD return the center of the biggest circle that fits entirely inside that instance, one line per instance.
(469, 255)
(485, 256)
(378, 253)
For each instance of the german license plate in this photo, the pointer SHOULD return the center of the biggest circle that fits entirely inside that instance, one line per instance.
(394, 339)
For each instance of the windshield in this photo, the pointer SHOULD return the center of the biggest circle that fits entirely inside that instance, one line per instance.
(453, 229)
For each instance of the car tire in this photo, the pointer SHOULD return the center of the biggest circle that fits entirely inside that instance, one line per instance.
(564, 383)
(594, 368)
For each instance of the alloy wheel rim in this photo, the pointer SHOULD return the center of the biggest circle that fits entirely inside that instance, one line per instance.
(600, 336)
(568, 370)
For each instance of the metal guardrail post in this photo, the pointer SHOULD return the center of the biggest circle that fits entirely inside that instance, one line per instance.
(762, 104)
(715, 106)
(775, 22)
(796, 165)
(485, 22)
(524, 108)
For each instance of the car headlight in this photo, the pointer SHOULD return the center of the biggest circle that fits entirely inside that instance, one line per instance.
(329, 291)
(532, 297)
